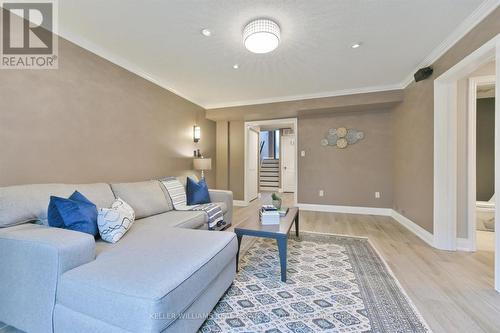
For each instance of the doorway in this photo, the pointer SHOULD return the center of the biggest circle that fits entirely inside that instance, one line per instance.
(288, 167)
(481, 163)
(253, 163)
(277, 158)
(270, 179)
(446, 161)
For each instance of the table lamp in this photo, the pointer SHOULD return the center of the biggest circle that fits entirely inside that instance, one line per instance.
(202, 164)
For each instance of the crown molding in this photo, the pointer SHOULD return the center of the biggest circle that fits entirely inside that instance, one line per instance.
(465, 27)
(119, 61)
(292, 98)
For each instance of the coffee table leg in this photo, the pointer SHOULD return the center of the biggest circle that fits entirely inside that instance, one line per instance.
(297, 225)
(282, 251)
(238, 253)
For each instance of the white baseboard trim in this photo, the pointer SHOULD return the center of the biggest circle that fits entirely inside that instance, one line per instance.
(413, 227)
(240, 203)
(404, 221)
(465, 244)
(346, 209)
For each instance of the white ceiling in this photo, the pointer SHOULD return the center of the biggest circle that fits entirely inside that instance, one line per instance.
(161, 40)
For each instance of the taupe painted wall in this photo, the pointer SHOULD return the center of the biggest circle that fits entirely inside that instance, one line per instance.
(485, 149)
(351, 176)
(222, 155)
(414, 130)
(92, 121)
(236, 165)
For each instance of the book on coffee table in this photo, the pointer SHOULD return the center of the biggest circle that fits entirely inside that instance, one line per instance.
(269, 217)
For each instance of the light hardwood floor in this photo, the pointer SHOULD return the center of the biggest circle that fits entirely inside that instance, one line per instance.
(452, 290)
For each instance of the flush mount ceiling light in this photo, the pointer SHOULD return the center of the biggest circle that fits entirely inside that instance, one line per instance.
(261, 36)
(236, 66)
(356, 45)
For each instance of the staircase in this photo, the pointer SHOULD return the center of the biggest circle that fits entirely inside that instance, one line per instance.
(269, 177)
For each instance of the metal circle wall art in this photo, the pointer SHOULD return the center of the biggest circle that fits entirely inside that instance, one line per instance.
(341, 132)
(342, 137)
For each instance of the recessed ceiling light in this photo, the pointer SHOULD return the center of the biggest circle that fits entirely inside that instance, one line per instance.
(206, 32)
(356, 45)
(261, 36)
(236, 66)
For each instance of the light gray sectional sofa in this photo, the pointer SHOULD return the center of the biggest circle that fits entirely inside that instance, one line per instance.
(162, 276)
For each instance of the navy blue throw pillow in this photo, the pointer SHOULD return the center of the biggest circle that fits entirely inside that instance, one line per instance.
(75, 213)
(197, 192)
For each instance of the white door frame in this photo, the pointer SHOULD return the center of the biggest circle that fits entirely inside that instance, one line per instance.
(474, 83)
(277, 122)
(247, 187)
(445, 148)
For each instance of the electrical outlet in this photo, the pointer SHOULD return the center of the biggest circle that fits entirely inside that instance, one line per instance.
(321, 193)
(377, 195)
(302, 153)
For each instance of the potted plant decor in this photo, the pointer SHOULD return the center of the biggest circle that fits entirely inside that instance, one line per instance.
(276, 201)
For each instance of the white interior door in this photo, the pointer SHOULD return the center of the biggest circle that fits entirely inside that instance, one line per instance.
(253, 164)
(288, 167)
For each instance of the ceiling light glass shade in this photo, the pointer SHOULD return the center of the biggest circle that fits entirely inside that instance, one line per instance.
(261, 36)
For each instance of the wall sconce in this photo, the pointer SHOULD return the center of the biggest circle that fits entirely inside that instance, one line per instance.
(196, 133)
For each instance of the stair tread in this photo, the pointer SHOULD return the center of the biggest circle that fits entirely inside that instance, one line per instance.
(269, 174)
(266, 188)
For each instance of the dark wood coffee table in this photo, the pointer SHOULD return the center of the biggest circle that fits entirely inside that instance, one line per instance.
(252, 227)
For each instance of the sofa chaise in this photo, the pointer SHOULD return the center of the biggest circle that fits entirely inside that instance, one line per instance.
(165, 274)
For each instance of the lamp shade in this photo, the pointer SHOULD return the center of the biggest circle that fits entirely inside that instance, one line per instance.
(202, 164)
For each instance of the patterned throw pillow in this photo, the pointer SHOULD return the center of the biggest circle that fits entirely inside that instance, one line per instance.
(114, 222)
(176, 191)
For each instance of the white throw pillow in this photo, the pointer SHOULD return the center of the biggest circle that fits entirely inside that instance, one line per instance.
(114, 222)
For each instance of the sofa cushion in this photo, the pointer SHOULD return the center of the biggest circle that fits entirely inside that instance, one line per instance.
(25, 203)
(146, 198)
(176, 218)
(153, 273)
(183, 219)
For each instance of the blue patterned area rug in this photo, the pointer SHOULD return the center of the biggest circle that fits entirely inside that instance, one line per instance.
(334, 284)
